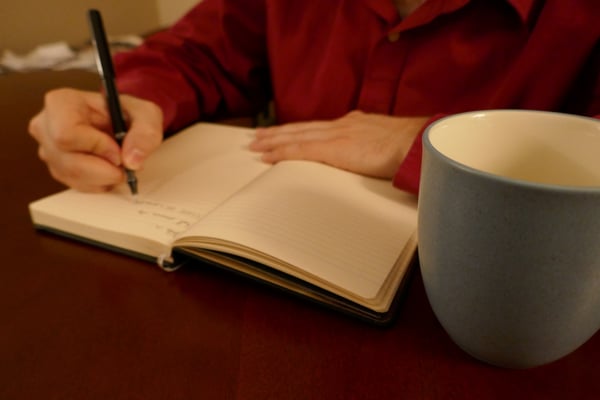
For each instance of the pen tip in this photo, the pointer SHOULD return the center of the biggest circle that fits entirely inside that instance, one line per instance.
(132, 182)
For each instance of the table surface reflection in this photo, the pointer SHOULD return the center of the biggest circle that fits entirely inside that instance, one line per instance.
(81, 323)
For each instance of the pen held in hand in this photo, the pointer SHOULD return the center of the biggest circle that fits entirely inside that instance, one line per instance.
(106, 71)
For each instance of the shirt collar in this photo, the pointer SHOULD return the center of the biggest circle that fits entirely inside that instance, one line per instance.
(386, 10)
(525, 8)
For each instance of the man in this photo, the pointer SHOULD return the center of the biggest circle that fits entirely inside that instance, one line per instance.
(354, 82)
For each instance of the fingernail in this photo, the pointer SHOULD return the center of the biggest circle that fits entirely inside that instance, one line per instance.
(259, 131)
(253, 144)
(267, 158)
(134, 159)
(114, 158)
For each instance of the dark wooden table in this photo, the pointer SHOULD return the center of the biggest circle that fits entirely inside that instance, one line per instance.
(77, 322)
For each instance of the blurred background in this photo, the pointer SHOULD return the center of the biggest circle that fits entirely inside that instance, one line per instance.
(25, 24)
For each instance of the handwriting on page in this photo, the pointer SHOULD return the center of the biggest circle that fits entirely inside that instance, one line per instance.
(167, 219)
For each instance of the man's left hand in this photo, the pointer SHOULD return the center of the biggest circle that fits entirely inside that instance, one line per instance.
(368, 144)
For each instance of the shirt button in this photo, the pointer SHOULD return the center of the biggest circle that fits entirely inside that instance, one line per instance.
(393, 37)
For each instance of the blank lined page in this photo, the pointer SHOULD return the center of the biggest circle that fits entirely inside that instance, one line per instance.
(337, 226)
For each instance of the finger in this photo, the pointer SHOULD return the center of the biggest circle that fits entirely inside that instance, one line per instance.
(86, 172)
(145, 132)
(88, 140)
(75, 139)
(314, 133)
(74, 121)
(71, 107)
(34, 127)
(309, 151)
(292, 127)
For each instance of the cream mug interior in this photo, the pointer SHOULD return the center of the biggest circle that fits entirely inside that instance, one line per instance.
(537, 147)
(509, 232)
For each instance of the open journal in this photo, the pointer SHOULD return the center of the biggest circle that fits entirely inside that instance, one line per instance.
(338, 238)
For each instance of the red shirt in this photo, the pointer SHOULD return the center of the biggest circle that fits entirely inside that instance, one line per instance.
(319, 59)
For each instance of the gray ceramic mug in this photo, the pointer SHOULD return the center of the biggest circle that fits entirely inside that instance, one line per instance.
(509, 232)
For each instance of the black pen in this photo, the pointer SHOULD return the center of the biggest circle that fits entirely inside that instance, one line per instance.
(107, 73)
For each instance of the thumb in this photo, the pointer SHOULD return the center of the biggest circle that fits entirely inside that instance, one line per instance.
(145, 132)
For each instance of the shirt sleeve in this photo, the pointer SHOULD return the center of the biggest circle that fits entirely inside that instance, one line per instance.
(210, 64)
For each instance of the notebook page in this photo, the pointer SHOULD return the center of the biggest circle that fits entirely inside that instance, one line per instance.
(341, 227)
(187, 177)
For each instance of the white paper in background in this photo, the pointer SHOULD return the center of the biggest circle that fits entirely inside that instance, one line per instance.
(60, 56)
(42, 57)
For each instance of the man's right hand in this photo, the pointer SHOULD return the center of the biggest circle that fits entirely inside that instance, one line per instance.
(73, 131)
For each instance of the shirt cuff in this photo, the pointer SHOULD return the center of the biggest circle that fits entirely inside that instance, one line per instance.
(408, 176)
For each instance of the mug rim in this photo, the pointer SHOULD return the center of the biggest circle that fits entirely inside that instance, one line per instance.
(499, 178)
